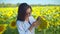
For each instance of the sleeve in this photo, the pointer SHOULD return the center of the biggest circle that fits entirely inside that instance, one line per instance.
(23, 29)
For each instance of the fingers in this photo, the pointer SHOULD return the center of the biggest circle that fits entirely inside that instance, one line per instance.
(38, 18)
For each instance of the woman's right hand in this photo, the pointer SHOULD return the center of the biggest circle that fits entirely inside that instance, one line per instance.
(37, 22)
(34, 24)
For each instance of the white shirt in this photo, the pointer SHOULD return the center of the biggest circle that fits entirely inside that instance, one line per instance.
(23, 26)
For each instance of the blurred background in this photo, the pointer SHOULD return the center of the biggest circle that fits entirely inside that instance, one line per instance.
(49, 9)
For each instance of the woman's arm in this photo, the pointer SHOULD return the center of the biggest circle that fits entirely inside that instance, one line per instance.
(35, 24)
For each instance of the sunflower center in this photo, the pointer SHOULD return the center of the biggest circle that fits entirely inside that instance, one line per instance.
(1, 28)
(13, 23)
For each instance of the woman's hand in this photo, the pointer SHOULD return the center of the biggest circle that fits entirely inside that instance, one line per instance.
(37, 22)
(38, 18)
(34, 24)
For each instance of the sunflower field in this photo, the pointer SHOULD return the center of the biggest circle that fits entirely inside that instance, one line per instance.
(50, 18)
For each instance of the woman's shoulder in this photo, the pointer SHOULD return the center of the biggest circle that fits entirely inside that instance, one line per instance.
(19, 22)
(31, 18)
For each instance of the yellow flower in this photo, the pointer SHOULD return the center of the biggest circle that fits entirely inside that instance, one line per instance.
(2, 28)
(55, 16)
(43, 24)
(9, 14)
(49, 11)
(57, 23)
(13, 24)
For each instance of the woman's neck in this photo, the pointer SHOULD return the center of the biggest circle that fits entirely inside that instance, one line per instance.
(27, 19)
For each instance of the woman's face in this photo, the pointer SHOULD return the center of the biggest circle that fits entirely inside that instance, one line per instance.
(28, 12)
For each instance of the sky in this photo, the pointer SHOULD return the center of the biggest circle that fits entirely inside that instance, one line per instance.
(43, 2)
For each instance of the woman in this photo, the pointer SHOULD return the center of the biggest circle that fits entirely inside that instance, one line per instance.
(25, 22)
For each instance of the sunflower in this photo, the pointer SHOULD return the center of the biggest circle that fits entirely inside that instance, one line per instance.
(2, 28)
(43, 24)
(13, 24)
(9, 14)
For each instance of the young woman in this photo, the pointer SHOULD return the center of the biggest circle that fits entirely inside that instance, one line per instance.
(25, 22)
